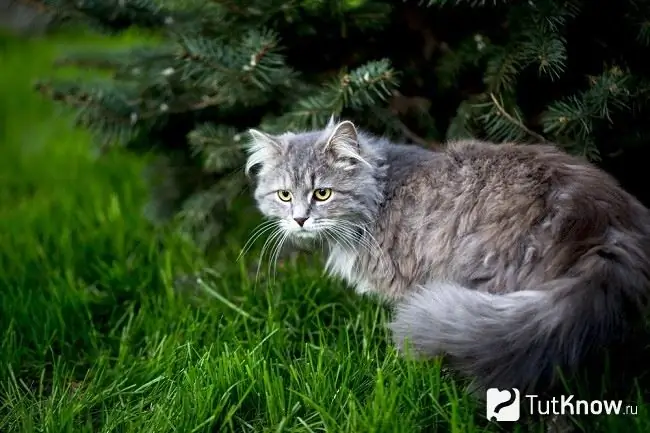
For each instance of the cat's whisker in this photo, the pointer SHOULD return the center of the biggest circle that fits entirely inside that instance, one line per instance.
(269, 241)
(260, 228)
(356, 234)
(366, 237)
(321, 240)
(375, 249)
(269, 253)
(366, 232)
(342, 235)
(328, 226)
(264, 224)
(255, 235)
(282, 242)
(273, 258)
(272, 249)
(342, 239)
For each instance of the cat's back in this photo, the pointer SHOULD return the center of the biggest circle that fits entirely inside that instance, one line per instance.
(522, 169)
(505, 173)
(475, 200)
(543, 177)
(499, 177)
(512, 171)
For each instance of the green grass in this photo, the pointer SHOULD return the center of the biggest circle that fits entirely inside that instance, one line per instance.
(98, 333)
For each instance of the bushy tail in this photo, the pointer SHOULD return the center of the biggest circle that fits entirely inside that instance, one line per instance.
(517, 340)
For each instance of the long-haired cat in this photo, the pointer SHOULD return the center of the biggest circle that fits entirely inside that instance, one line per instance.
(509, 260)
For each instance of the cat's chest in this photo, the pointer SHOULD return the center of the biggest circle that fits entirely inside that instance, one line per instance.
(345, 264)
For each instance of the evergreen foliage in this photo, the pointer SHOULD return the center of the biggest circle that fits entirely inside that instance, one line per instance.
(572, 72)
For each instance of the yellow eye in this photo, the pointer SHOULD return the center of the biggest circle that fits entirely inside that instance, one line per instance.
(284, 195)
(322, 194)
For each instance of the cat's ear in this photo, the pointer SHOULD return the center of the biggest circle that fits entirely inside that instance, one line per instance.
(343, 143)
(261, 148)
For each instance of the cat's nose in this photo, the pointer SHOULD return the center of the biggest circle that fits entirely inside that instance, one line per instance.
(300, 221)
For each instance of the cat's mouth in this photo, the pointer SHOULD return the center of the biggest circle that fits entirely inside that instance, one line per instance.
(303, 238)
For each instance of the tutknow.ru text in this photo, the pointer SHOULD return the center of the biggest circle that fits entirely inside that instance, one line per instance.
(568, 405)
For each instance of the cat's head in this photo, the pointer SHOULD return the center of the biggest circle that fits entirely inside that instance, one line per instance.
(322, 182)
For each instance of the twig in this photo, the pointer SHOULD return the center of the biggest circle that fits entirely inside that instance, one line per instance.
(82, 99)
(413, 136)
(88, 63)
(508, 116)
(78, 100)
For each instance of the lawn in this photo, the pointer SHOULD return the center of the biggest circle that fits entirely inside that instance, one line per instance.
(103, 329)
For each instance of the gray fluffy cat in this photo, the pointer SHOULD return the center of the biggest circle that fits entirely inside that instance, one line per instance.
(509, 260)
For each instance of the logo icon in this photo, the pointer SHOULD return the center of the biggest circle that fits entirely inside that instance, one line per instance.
(503, 405)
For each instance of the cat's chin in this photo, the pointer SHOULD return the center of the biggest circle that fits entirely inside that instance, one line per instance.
(303, 234)
(303, 238)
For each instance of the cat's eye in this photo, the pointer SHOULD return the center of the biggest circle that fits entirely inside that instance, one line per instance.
(322, 194)
(284, 195)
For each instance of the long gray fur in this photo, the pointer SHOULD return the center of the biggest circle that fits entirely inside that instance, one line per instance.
(509, 260)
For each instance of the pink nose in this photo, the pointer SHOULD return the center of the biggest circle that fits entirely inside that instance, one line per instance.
(300, 221)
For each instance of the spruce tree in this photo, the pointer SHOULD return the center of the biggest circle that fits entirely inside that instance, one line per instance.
(570, 72)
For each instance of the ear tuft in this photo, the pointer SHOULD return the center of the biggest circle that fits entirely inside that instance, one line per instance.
(260, 137)
(260, 148)
(331, 122)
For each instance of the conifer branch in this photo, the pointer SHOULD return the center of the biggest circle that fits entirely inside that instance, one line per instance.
(366, 86)
(112, 15)
(219, 68)
(82, 99)
(514, 121)
(79, 99)
(413, 136)
(473, 3)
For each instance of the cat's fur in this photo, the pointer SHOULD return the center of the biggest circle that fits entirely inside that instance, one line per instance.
(510, 260)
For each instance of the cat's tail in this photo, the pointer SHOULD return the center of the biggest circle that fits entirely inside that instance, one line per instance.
(517, 340)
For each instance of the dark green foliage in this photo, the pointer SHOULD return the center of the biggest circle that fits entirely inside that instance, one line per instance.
(562, 71)
(572, 72)
(109, 15)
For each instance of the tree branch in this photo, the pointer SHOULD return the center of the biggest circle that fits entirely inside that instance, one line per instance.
(508, 116)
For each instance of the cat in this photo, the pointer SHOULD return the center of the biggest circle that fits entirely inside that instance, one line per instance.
(510, 260)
